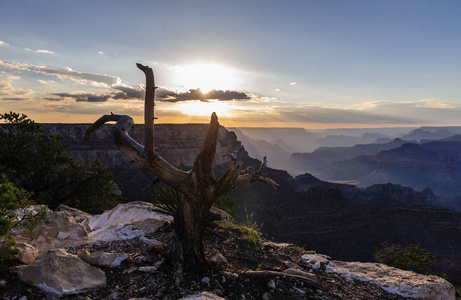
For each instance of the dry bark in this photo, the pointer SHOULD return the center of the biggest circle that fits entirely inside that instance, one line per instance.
(199, 185)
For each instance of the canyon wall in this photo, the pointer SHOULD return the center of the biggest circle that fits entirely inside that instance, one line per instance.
(176, 145)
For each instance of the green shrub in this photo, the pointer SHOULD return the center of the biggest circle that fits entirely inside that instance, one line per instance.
(15, 213)
(251, 236)
(411, 258)
(250, 231)
(167, 200)
(42, 164)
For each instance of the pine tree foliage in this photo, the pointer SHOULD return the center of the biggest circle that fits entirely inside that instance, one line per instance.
(42, 164)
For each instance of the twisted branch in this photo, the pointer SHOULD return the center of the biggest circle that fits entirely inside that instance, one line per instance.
(234, 174)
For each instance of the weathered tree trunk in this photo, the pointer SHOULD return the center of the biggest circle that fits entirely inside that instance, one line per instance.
(199, 185)
(189, 225)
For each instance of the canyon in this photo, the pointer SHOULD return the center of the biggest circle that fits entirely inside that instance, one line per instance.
(338, 220)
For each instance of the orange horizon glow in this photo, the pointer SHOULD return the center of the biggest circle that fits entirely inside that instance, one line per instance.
(225, 121)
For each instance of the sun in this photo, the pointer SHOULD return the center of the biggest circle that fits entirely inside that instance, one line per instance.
(199, 108)
(206, 77)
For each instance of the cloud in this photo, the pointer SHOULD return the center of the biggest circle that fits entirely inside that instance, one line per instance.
(125, 92)
(9, 92)
(46, 82)
(14, 99)
(277, 90)
(64, 73)
(196, 94)
(80, 97)
(2, 43)
(100, 52)
(292, 83)
(6, 87)
(10, 77)
(227, 95)
(40, 51)
(44, 51)
(68, 73)
(14, 66)
(128, 93)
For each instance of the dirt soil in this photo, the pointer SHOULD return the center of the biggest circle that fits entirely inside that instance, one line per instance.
(232, 280)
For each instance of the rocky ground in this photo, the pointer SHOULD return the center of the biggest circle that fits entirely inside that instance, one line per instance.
(131, 246)
(149, 273)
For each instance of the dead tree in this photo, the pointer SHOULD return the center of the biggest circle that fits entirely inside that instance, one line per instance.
(198, 185)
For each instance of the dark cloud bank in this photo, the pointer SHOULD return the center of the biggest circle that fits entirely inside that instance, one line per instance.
(131, 93)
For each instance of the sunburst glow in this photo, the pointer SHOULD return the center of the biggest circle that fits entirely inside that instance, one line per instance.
(198, 108)
(206, 76)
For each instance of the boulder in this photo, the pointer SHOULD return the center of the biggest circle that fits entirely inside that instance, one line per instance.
(59, 273)
(58, 231)
(127, 231)
(103, 259)
(127, 213)
(404, 283)
(127, 221)
(78, 215)
(28, 253)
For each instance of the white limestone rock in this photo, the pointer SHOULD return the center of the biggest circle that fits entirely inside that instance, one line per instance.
(59, 273)
(404, 283)
(57, 231)
(127, 221)
(127, 213)
(315, 260)
(78, 215)
(103, 259)
(127, 231)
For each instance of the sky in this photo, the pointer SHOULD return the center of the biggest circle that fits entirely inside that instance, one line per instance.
(311, 64)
